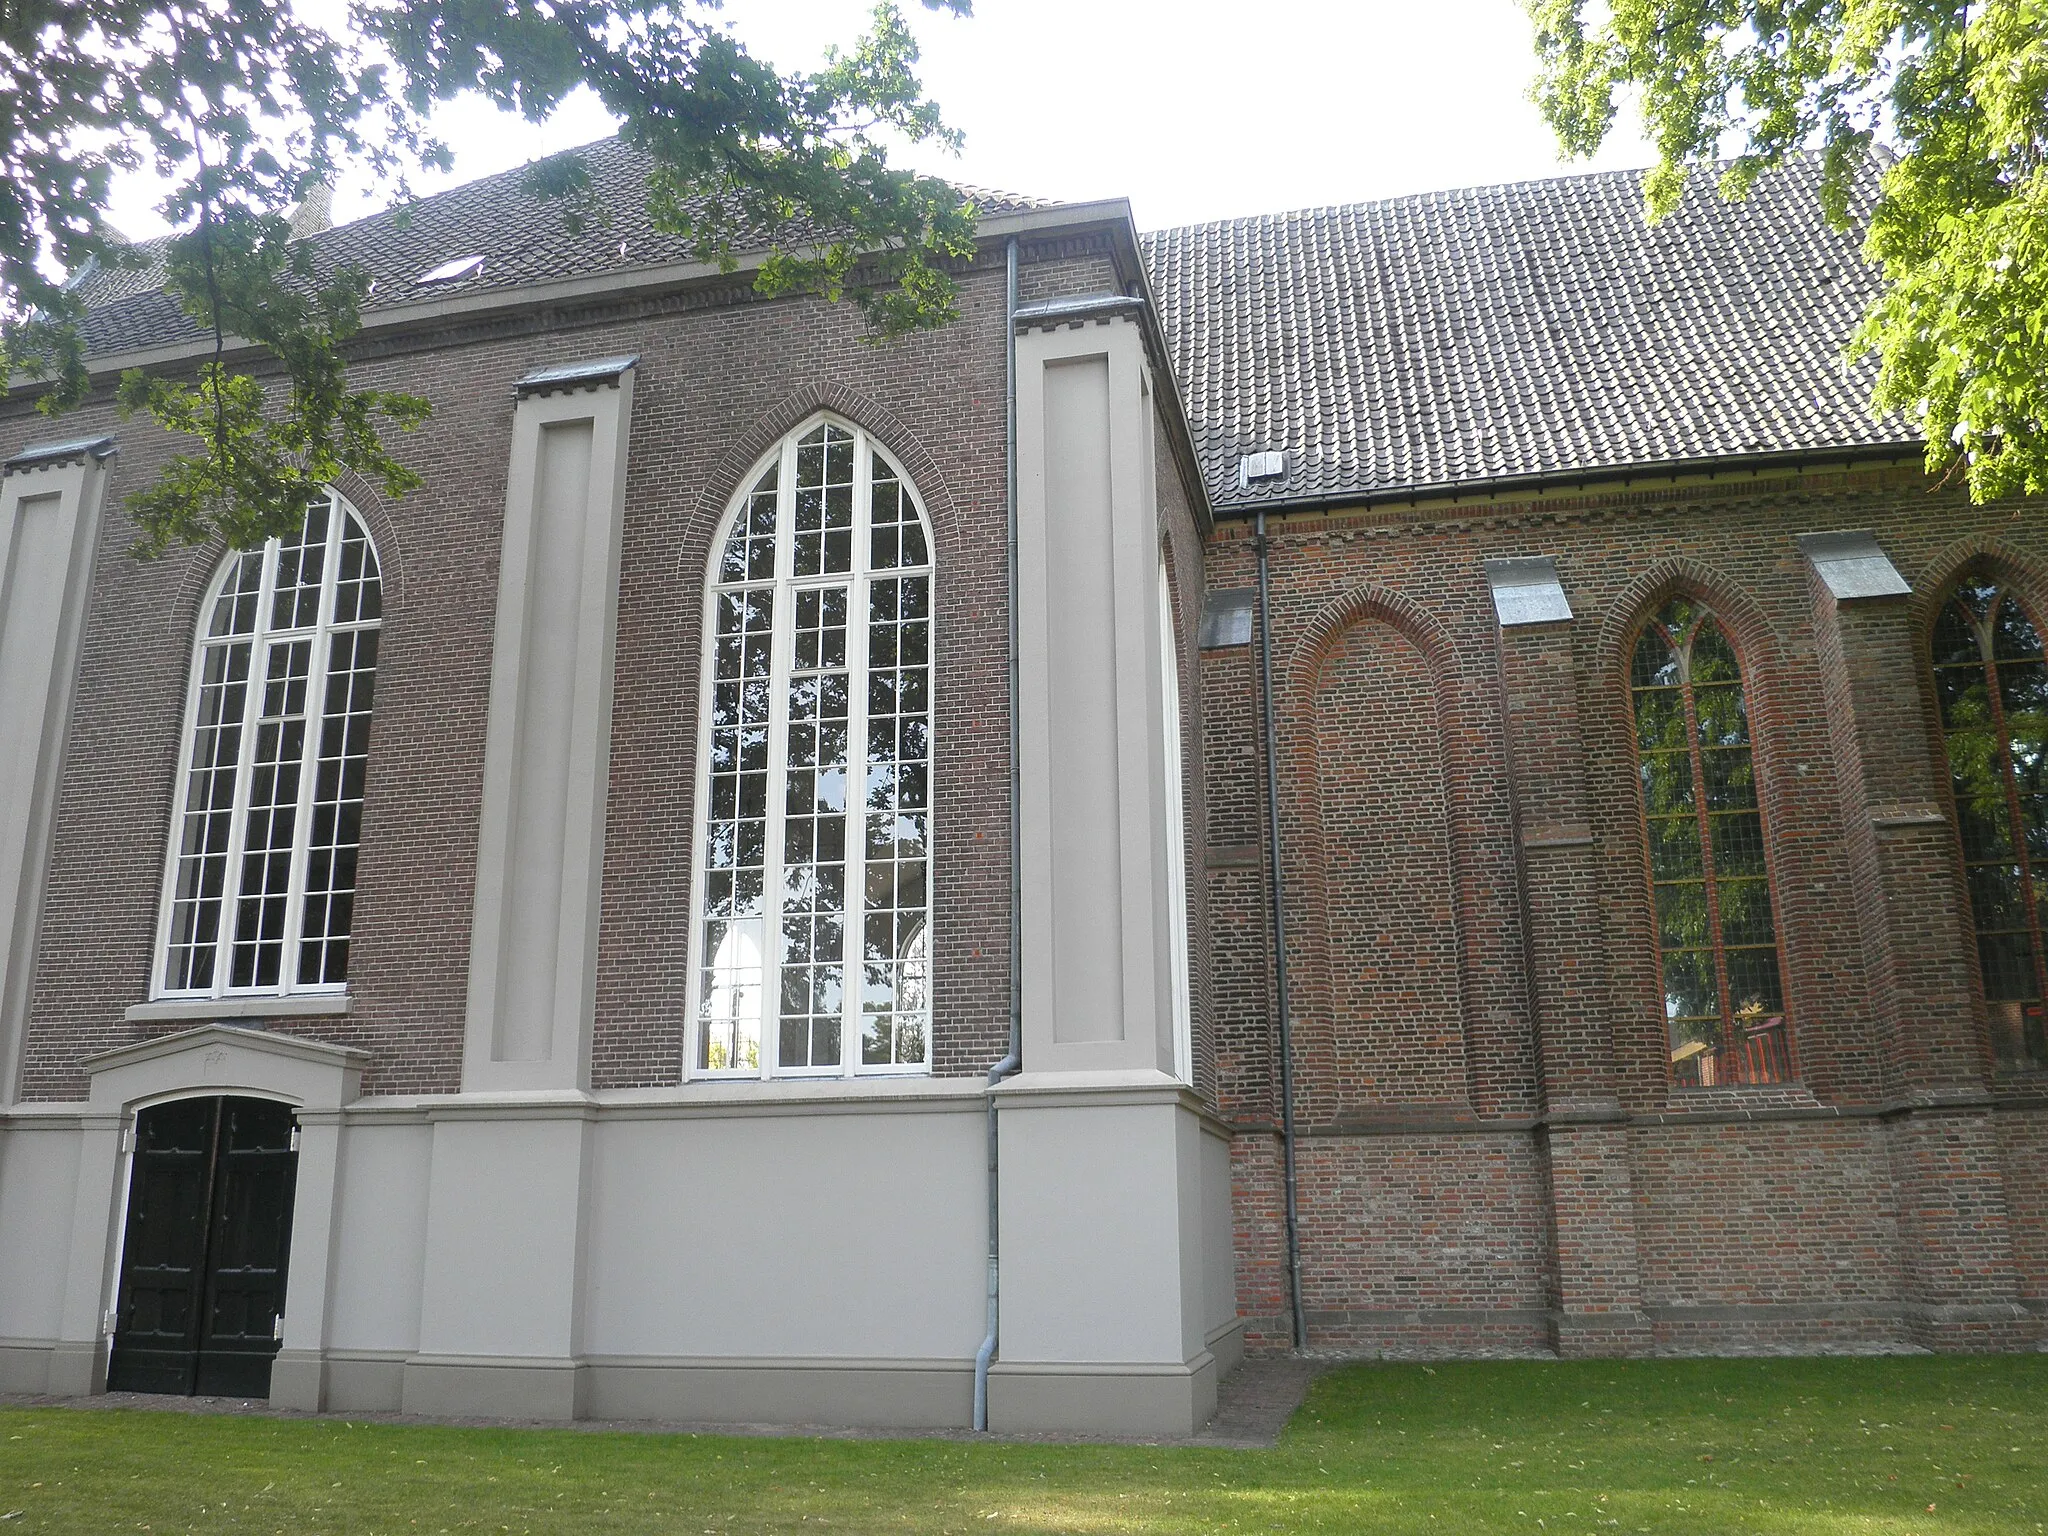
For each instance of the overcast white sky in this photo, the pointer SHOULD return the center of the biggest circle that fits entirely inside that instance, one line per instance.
(1193, 109)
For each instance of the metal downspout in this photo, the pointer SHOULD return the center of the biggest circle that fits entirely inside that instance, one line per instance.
(1015, 1058)
(1279, 939)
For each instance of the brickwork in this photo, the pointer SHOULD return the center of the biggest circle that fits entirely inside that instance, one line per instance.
(721, 376)
(1423, 1244)
(1829, 1212)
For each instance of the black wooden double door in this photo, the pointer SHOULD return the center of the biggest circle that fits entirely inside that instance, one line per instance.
(209, 1231)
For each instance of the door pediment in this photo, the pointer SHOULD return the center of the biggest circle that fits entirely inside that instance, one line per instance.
(221, 1059)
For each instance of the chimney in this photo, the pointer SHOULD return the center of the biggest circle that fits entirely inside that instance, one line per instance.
(315, 212)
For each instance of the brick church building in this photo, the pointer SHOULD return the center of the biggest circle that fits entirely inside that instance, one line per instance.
(1407, 779)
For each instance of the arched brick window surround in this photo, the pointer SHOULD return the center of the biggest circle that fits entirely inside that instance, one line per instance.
(2014, 1031)
(1305, 837)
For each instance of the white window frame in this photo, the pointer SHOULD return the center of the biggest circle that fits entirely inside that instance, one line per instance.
(785, 586)
(322, 633)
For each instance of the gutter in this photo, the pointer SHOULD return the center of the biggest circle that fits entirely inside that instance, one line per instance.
(1011, 1062)
(1493, 487)
(1287, 1132)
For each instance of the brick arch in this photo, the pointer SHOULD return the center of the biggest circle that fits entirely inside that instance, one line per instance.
(2021, 572)
(728, 479)
(1752, 632)
(1641, 1045)
(1303, 799)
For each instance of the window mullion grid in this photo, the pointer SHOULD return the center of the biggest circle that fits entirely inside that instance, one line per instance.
(854, 925)
(2016, 822)
(1717, 951)
(781, 648)
(309, 750)
(181, 806)
(245, 764)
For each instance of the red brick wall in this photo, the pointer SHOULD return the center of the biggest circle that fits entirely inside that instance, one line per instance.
(1746, 1218)
(1380, 1020)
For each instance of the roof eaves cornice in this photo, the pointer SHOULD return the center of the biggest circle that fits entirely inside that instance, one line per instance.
(1059, 219)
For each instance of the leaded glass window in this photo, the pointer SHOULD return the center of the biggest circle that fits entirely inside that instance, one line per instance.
(1992, 684)
(811, 951)
(1717, 942)
(259, 893)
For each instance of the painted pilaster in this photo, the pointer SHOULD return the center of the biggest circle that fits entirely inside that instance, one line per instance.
(298, 1379)
(1095, 927)
(547, 752)
(50, 499)
(1596, 1274)
(1109, 1223)
(1962, 1282)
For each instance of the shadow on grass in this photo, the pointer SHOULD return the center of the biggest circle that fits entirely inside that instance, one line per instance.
(1900, 1445)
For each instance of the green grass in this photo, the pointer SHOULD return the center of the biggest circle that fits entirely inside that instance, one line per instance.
(1889, 1446)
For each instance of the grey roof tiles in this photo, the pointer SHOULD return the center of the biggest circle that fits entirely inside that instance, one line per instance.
(522, 239)
(1513, 331)
(1447, 340)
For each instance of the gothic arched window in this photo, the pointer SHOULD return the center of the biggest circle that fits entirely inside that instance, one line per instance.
(810, 949)
(1717, 942)
(1992, 683)
(259, 892)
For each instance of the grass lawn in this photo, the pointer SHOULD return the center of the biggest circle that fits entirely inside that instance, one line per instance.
(1882, 1446)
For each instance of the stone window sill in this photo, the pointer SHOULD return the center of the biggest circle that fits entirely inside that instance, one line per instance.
(207, 1009)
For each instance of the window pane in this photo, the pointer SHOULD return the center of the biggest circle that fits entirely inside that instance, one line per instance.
(336, 831)
(814, 842)
(208, 816)
(1996, 732)
(272, 818)
(894, 981)
(827, 925)
(281, 700)
(1714, 914)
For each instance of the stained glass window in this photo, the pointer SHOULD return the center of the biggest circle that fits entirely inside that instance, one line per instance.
(260, 890)
(1717, 943)
(812, 953)
(1992, 685)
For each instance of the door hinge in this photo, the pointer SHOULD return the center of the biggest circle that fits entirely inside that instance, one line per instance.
(295, 1138)
(127, 1138)
(277, 1328)
(107, 1323)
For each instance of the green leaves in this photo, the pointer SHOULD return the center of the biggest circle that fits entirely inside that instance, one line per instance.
(1952, 98)
(241, 108)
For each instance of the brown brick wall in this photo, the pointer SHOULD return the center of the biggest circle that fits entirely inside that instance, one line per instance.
(721, 376)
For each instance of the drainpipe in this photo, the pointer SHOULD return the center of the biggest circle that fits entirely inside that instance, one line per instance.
(1015, 1059)
(1259, 543)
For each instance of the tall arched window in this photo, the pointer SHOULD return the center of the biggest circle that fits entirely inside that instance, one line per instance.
(1992, 683)
(259, 893)
(811, 953)
(1717, 940)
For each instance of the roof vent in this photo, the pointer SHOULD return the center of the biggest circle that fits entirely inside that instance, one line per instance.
(1255, 467)
(452, 271)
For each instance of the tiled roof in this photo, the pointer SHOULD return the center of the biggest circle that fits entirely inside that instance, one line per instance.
(522, 239)
(1540, 328)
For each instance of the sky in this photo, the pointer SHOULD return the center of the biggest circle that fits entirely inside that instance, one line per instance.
(1193, 109)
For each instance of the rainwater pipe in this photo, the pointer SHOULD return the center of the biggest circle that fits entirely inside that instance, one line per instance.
(1015, 1059)
(1300, 1317)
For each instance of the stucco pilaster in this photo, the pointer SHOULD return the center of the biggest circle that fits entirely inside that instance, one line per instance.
(547, 752)
(49, 528)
